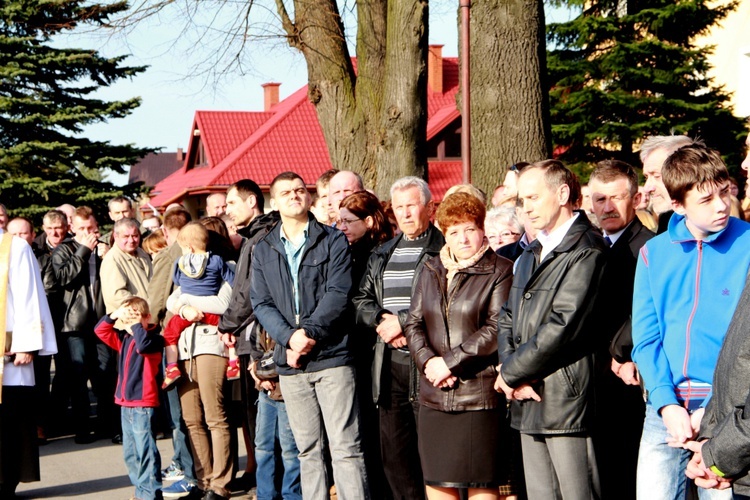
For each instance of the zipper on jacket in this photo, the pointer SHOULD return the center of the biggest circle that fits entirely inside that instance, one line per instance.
(126, 371)
(690, 322)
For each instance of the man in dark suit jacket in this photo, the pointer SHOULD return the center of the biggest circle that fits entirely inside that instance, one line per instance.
(620, 407)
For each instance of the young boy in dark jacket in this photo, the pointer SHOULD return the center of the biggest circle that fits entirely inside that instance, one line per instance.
(140, 351)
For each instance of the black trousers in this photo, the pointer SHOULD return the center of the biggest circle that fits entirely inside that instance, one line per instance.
(398, 429)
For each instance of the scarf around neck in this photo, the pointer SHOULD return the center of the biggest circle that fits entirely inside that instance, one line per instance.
(453, 266)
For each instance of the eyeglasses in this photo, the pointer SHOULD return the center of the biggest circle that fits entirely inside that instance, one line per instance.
(346, 222)
(508, 234)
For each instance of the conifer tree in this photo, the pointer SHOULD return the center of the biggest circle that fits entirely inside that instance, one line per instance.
(627, 69)
(46, 98)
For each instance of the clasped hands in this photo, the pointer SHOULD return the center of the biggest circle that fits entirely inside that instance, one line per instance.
(520, 393)
(683, 429)
(299, 345)
(438, 373)
(389, 329)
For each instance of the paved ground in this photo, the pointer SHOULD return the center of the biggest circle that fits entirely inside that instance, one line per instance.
(91, 471)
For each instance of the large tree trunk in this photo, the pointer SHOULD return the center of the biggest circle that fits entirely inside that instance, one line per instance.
(404, 114)
(375, 122)
(509, 102)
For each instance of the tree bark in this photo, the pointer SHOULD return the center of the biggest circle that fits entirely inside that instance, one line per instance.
(509, 101)
(404, 115)
(374, 122)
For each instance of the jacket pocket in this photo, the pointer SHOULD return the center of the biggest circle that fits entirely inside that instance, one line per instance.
(569, 381)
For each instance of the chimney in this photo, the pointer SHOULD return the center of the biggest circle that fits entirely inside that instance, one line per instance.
(270, 95)
(435, 68)
(180, 154)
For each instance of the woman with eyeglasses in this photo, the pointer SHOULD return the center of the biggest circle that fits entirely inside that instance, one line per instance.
(452, 335)
(502, 227)
(365, 225)
(363, 221)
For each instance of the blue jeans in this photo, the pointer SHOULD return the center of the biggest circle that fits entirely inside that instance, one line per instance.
(272, 423)
(141, 454)
(661, 469)
(320, 403)
(181, 457)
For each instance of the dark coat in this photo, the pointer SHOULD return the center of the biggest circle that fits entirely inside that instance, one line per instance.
(324, 284)
(239, 314)
(547, 332)
(460, 325)
(368, 301)
(82, 302)
(726, 423)
(618, 284)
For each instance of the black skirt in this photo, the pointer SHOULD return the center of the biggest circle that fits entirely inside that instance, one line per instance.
(461, 449)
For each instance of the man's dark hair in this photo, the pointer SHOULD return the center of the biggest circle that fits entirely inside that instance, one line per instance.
(285, 176)
(246, 188)
(694, 165)
(611, 170)
(119, 199)
(325, 178)
(176, 218)
(555, 175)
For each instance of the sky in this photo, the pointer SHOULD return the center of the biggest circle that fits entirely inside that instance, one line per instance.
(173, 87)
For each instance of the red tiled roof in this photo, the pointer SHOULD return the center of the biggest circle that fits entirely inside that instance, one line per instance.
(260, 145)
(443, 175)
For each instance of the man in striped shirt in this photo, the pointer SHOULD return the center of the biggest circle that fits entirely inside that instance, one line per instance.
(383, 304)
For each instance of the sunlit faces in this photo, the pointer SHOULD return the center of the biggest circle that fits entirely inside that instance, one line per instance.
(746, 161)
(352, 226)
(706, 209)
(3, 217)
(654, 186)
(500, 234)
(238, 209)
(612, 203)
(55, 231)
(586, 199)
(151, 224)
(216, 205)
(541, 204)
(412, 215)
(127, 239)
(120, 210)
(82, 227)
(22, 229)
(342, 185)
(464, 239)
(291, 198)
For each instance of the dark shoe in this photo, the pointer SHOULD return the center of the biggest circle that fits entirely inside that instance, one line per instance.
(244, 483)
(212, 495)
(84, 438)
(117, 439)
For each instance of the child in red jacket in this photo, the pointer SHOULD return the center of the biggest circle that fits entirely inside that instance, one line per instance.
(140, 351)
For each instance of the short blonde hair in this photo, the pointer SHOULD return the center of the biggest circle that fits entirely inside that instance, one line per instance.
(194, 235)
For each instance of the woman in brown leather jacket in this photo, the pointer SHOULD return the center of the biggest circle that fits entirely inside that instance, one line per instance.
(452, 335)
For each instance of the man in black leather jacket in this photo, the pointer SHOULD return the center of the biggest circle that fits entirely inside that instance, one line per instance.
(394, 376)
(82, 356)
(547, 337)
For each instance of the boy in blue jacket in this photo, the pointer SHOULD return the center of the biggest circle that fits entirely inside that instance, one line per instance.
(139, 361)
(687, 285)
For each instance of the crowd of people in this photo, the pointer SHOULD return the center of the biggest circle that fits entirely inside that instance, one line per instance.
(570, 342)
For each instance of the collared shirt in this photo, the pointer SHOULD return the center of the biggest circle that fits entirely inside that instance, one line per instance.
(615, 236)
(550, 241)
(294, 251)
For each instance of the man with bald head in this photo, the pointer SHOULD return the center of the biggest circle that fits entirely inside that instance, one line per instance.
(342, 185)
(216, 204)
(21, 227)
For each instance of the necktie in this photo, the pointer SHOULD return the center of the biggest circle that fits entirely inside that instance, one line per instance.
(608, 241)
